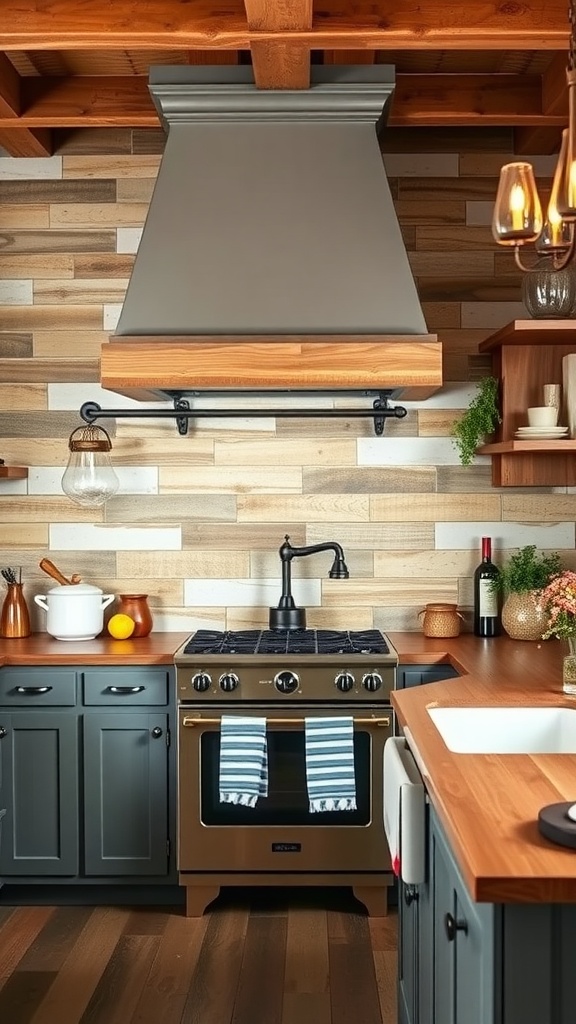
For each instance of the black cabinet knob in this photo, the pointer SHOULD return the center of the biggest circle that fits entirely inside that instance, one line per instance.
(3, 732)
(156, 732)
(452, 926)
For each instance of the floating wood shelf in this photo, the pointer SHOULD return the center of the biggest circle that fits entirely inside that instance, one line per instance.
(551, 447)
(13, 472)
(526, 354)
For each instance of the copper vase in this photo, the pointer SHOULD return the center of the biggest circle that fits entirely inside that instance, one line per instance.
(136, 606)
(14, 618)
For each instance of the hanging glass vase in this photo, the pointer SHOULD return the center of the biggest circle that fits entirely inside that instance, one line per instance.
(548, 293)
(569, 668)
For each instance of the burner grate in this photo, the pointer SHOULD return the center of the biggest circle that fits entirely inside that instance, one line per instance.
(287, 641)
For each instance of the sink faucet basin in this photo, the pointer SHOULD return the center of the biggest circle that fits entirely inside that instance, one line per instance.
(518, 730)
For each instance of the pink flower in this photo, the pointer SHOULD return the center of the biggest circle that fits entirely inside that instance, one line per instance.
(559, 600)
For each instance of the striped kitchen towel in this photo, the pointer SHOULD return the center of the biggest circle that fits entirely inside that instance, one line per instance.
(243, 760)
(330, 764)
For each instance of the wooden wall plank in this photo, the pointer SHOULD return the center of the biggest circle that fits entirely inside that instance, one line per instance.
(20, 241)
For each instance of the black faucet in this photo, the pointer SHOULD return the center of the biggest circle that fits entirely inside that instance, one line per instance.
(287, 615)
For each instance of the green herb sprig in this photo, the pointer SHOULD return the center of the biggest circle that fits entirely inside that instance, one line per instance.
(480, 419)
(525, 570)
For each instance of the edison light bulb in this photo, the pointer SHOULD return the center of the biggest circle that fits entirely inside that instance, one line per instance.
(89, 478)
(517, 207)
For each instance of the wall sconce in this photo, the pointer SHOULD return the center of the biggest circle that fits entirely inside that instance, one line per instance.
(89, 478)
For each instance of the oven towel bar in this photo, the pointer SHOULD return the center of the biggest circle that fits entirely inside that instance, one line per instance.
(330, 774)
(243, 775)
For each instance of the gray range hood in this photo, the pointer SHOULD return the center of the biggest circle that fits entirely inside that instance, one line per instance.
(271, 257)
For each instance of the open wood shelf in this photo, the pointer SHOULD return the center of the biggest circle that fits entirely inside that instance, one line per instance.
(13, 472)
(551, 447)
(526, 354)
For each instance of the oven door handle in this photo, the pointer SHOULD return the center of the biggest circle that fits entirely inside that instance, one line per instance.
(189, 722)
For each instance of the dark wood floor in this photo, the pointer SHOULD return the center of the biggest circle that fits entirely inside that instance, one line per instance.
(256, 957)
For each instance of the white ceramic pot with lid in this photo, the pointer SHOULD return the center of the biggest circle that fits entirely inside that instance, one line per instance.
(75, 612)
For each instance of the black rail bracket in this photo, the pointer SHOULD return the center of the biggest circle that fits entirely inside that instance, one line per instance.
(385, 411)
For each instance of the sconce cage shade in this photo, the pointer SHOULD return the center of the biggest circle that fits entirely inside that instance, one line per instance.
(90, 439)
(89, 478)
(517, 217)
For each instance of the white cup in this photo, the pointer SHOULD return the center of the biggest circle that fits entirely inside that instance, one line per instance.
(552, 395)
(543, 416)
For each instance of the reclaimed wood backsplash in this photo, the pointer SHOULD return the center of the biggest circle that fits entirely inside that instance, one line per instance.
(198, 519)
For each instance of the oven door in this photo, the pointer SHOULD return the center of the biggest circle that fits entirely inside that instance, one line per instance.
(280, 833)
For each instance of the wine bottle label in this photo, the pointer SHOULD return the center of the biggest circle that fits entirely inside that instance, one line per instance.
(487, 600)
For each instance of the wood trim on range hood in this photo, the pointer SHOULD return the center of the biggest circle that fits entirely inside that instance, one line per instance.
(145, 369)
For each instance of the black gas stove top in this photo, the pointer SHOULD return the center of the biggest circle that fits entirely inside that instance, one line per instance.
(275, 665)
(287, 641)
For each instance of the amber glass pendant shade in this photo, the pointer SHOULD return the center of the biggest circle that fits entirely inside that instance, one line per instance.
(517, 217)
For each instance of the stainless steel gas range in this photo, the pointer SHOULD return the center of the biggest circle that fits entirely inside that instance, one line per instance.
(287, 677)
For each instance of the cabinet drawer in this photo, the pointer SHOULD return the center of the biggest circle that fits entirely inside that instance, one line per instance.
(132, 686)
(37, 687)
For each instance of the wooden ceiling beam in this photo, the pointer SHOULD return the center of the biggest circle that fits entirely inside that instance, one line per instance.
(19, 141)
(88, 101)
(9, 89)
(482, 100)
(385, 24)
(530, 140)
(538, 139)
(349, 56)
(279, 64)
(554, 87)
(220, 57)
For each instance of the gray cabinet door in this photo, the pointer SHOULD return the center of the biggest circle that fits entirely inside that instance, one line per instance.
(464, 986)
(407, 954)
(444, 961)
(125, 793)
(425, 951)
(39, 790)
(416, 675)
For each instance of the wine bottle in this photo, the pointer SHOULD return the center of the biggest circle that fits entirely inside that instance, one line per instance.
(486, 610)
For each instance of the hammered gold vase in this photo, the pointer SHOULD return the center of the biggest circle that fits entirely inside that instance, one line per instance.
(523, 617)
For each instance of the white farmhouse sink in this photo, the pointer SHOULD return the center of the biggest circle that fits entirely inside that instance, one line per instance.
(507, 730)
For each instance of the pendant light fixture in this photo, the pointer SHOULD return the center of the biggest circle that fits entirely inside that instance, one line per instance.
(89, 478)
(517, 218)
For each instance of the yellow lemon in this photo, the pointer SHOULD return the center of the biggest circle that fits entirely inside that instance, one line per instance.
(121, 626)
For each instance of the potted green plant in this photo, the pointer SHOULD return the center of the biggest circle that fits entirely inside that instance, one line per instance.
(520, 580)
(479, 420)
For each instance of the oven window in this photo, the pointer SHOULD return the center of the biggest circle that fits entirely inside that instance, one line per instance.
(287, 800)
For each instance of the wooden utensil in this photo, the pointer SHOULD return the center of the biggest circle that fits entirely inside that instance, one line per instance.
(50, 569)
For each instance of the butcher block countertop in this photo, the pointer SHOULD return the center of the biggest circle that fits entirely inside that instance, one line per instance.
(489, 804)
(41, 649)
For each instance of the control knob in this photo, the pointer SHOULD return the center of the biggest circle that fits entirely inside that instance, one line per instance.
(372, 681)
(229, 681)
(286, 682)
(344, 682)
(201, 682)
